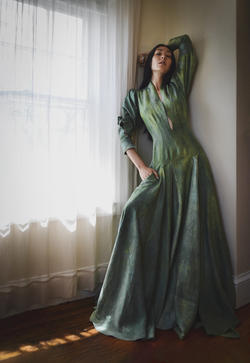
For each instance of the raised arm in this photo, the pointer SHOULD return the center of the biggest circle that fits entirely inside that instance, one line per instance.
(187, 60)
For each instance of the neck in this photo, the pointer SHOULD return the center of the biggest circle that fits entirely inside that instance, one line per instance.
(157, 80)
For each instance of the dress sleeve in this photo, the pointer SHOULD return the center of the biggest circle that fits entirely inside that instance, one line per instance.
(187, 60)
(128, 121)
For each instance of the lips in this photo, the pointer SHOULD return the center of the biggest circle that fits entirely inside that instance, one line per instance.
(162, 63)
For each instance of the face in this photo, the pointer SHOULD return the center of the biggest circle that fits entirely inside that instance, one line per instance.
(162, 59)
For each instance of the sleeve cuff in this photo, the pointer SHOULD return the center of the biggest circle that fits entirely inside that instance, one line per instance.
(127, 147)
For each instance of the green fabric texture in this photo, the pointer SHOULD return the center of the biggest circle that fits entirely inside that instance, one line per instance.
(170, 266)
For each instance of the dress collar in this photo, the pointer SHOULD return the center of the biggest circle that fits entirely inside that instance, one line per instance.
(154, 92)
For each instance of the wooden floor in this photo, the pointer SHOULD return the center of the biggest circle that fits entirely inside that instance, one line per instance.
(62, 333)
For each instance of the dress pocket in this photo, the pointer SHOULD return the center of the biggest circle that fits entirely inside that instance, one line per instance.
(151, 177)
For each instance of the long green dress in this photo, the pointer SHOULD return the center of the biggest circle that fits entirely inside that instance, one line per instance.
(170, 267)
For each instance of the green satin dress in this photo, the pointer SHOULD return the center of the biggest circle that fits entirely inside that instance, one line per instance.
(170, 267)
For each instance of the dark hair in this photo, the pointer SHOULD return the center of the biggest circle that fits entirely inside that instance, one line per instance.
(147, 75)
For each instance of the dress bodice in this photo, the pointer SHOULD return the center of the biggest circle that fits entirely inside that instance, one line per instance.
(144, 106)
(158, 115)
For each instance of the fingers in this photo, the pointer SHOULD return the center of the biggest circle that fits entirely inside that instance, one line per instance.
(145, 176)
(146, 173)
(155, 174)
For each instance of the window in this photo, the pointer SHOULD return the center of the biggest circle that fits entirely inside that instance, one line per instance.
(57, 128)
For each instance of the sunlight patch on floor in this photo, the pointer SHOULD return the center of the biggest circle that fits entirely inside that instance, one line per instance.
(4, 354)
(23, 349)
(72, 337)
(28, 348)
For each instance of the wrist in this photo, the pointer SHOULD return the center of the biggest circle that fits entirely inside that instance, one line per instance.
(141, 166)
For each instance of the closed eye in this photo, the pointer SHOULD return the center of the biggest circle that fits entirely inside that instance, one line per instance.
(168, 55)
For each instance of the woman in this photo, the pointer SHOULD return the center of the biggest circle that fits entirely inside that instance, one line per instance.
(170, 267)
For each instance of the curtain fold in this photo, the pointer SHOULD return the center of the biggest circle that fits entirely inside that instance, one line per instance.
(66, 66)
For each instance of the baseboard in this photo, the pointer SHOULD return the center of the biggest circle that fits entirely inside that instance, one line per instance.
(81, 283)
(41, 291)
(242, 287)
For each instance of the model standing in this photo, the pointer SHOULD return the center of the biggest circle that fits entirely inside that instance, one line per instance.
(170, 267)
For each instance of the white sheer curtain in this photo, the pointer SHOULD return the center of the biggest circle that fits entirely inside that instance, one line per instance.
(65, 69)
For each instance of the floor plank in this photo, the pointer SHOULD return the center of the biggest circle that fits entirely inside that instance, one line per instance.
(62, 333)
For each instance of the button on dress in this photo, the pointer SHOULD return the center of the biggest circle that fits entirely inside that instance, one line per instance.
(170, 266)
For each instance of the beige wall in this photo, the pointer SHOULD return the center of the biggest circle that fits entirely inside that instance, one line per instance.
(153, 24)
(243, 135)
(212, 27)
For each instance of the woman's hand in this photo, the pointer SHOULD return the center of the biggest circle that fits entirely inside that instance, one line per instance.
(145, 171)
